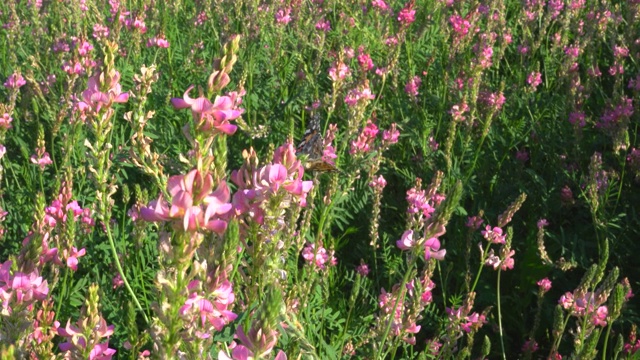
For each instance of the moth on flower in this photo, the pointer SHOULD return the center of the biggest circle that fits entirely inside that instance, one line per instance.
(320, 153)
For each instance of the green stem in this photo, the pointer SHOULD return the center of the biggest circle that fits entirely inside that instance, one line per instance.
(504, 356)
(114, 253)
(475, 282)
(395, 305)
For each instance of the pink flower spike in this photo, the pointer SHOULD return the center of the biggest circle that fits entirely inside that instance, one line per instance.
(544, 284)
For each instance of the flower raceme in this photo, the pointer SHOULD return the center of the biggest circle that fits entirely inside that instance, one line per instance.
(211, 117)
(95, 99)
(256, 185)
(20, 289)
(194, 206)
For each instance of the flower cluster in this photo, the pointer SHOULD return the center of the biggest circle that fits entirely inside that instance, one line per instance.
(94, 99)
(256, 184)
(398, 312)
(20, 290)
(586, 304)
(318, 256)
(211, 118)
(194, 204)
(211, 309)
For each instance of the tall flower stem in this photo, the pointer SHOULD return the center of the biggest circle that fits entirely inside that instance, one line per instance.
(504, 357)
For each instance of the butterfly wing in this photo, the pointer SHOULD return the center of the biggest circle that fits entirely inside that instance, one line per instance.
(312, 145)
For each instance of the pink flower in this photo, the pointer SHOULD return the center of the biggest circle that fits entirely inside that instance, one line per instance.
(95, 99)
(15, 81)
(363, 269)
(72, 258)
(193, 205)
(365, 61)
(530, 346)
(323, 25)
(359, 95)
(117, 281)
(406, 242)
(391, 135)
(283, 16)
(407, 15)
(534, 79)
(474, 222)
(457, 111)
(5, 121)
(432, 249)
(378, 183)
(544, 284)
(42, 161)
(365, 139)
(101, 352)
(210, 117)
(317, 256)
(339, 71)
(493, 235)
(381, 6)
(411, 88)
(542, 223)
(599, 318)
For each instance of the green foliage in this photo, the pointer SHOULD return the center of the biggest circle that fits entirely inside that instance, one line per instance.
(470, 154)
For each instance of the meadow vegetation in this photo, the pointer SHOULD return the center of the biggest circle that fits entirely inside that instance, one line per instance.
(319, 179)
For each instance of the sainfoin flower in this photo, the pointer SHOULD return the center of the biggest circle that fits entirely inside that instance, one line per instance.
(77, 342)
(95, 99)
(318, 256)
(211, 309)
(258, 184)
(20, 289)
(194, 206)
(210, 117)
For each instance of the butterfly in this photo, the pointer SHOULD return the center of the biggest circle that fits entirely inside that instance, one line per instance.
(312, 145)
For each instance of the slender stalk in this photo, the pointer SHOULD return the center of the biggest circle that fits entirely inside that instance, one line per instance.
(116, 260)
(504, 356)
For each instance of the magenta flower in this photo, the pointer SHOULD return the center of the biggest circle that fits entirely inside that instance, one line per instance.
(5, 121)
(339, 71)
(72, 258)
(94, 99)
(210, 117)
(283, 16)
(544, 284)
(432, 249)
(411, 88)
(42, 160)
(407, 15)
(494, 235)
(406, 242)
(193, 205)
(15, 81)
(318, 256)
